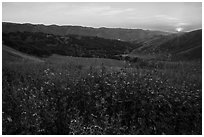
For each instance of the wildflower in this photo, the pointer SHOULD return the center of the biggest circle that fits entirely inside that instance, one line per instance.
(52, 74)
(47, 82)
(35, 114)
(102, 100)
(41, 88)
(9, 119)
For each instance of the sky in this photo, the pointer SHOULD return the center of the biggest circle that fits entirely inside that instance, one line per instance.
(167, 16)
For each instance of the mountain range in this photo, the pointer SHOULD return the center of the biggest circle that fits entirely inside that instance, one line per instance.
(107, 33)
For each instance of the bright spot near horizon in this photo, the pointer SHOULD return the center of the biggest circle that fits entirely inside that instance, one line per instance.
(179, 29)
(162, 16)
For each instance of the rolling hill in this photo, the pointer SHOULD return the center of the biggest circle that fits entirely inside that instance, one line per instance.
(43, 41)
(187, 46)
(11, 55)
(44, 45)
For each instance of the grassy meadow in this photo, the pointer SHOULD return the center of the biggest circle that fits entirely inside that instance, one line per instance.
(73, 95)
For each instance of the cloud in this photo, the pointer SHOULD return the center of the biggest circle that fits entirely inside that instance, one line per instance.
(131, 15)
(182, 24)
(112, 12)
(166, 17)
(172, 21)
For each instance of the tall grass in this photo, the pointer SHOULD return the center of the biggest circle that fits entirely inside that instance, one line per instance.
(49, 98)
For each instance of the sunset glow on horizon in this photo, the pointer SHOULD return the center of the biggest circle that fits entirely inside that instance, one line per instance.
(167, 16)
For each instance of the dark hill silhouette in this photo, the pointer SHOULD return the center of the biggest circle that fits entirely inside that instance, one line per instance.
(44, 45)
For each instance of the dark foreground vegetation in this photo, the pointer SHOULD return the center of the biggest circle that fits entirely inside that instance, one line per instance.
(71, 99)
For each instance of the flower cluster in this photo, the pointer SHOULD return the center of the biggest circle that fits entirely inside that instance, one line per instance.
(50, 101)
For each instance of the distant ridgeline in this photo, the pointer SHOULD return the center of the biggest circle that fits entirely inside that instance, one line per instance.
(107, 33)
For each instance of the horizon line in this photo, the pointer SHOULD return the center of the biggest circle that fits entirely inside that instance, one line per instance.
(64, 25)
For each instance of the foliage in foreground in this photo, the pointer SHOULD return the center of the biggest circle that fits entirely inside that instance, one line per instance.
(47, 101)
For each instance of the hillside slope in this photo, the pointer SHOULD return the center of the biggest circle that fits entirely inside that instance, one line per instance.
(42, 45)
(11, 55)
(185, 46)
(177, 46)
